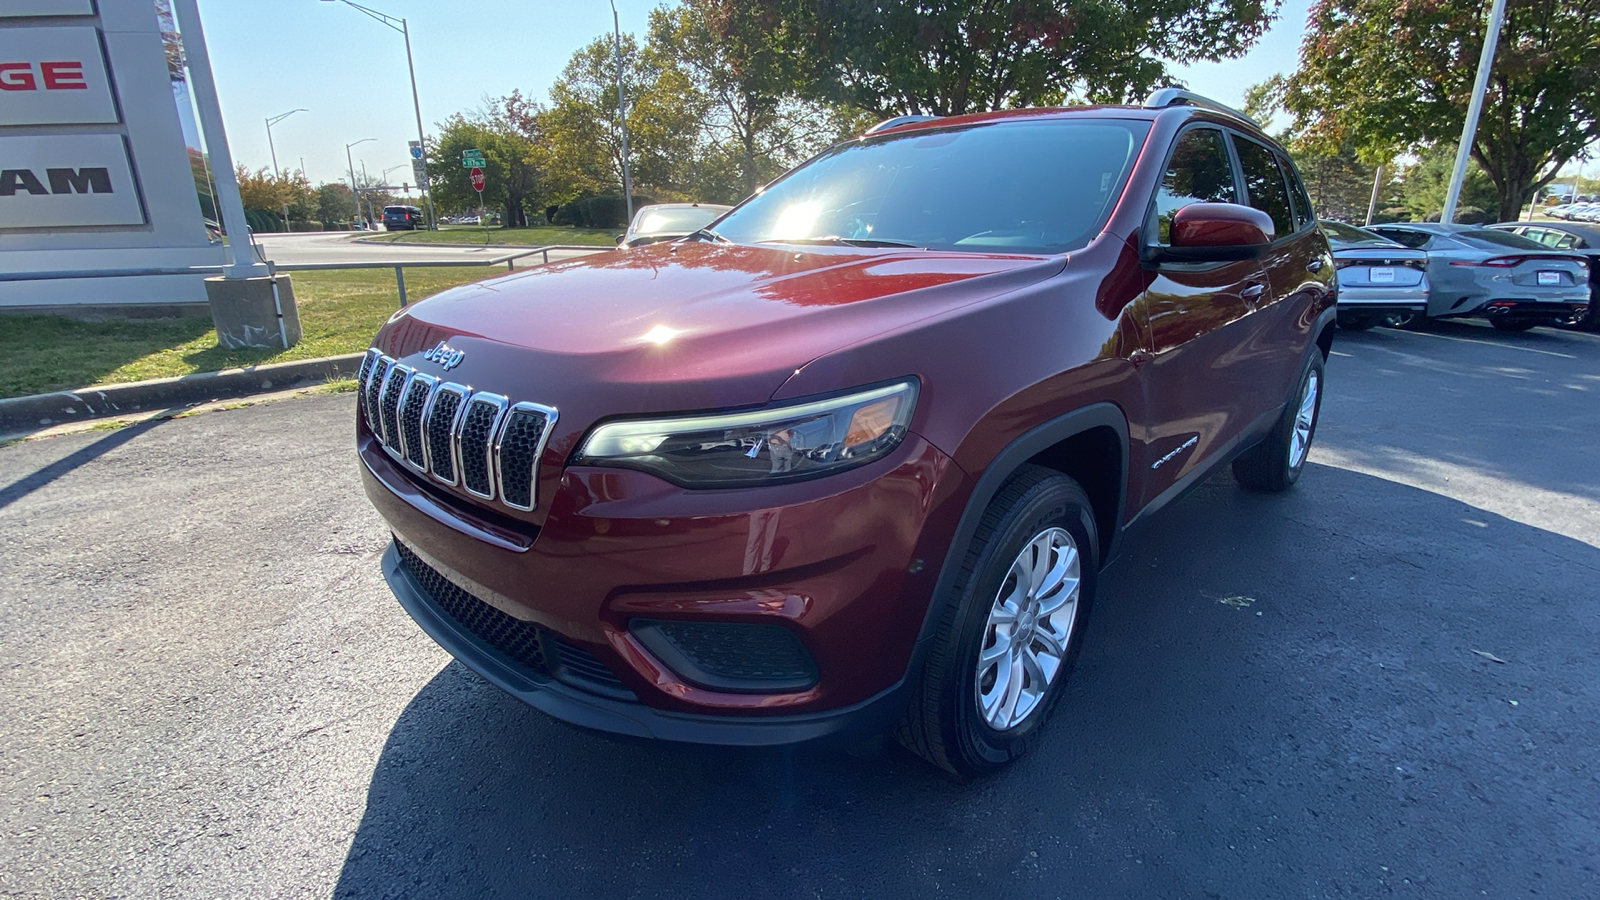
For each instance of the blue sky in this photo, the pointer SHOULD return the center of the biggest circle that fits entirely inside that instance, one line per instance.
(349, 71)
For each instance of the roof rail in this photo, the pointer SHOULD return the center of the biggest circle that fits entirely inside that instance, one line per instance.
(896, 122)
(1161, 98)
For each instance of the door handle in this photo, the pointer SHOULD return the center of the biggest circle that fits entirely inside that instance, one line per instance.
(1315, 265)
(1253, 291)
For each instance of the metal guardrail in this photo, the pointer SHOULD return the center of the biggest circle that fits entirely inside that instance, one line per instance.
(508, 260)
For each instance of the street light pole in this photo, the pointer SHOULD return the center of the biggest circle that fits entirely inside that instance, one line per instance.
(1469, 131)
(622, 113)
(416, 103)
(274, 150)
(355, 192)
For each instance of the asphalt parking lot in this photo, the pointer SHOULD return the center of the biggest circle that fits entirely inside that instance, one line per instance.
(209, 692)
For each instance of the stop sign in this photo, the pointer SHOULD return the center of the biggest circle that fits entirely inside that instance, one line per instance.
(477, 180)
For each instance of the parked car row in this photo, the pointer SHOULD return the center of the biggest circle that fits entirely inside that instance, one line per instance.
(1575, 212)
(1515, 275)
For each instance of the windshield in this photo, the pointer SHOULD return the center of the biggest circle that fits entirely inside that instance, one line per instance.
(675, 220)
(1019, 186)
(1342, 235)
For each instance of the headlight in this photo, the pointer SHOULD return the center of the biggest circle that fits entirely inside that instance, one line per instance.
(761, 447)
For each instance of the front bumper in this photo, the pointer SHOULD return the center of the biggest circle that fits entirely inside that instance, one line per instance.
(587, 709)
(844, 565)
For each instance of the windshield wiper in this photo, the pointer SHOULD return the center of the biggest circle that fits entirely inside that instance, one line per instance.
(850, 242)
(706, 234)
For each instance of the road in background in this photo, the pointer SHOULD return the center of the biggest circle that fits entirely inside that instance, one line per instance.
(300, 248)
(209, 691)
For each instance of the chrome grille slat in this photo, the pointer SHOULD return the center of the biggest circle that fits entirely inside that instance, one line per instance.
(517, 447)
(474, 440)
(375, 379)
(439, 423)
(394, 384)
(412, 403)
(477, 441)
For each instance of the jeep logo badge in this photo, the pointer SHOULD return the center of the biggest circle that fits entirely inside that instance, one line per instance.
(446, 357)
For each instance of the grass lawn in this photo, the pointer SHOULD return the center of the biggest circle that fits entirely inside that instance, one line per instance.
(339, 313)
(471, 234)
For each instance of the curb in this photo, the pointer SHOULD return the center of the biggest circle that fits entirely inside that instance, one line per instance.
(31, 413)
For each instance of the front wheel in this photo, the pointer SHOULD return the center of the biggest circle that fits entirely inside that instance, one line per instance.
(1275, 463)
(1010, 627)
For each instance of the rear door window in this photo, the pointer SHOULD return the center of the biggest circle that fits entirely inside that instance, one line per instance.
(1199, 171)
(1265, 186)
(1297, 189)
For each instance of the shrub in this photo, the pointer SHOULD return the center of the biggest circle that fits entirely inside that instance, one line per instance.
(1391, 214)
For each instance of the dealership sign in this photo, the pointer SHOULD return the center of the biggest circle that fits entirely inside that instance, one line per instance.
(54, 76)
(83, 179)
(16, 8)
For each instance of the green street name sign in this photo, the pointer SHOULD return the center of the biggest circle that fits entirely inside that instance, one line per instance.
(472, 159)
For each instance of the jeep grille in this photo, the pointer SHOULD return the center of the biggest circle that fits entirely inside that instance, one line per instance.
(475, 440)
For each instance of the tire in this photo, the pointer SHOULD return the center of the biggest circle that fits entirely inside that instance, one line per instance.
(1275, 464)
(945, 721)
(1357, 321)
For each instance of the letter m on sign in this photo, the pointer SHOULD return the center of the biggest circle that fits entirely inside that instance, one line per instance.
(80, 181)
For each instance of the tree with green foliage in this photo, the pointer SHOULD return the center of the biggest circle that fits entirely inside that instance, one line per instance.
(754, 126)
(948, 57)
(1427, 180)
(336, 206)
(580, 130)
(512, 176)
(1386, 75)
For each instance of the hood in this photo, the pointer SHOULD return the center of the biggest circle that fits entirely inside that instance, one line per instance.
(688, 326)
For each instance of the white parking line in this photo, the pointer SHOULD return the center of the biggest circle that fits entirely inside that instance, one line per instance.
(1484, 343)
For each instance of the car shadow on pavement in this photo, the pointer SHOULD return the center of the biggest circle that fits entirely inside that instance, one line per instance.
(33, 481)
(1278, 696)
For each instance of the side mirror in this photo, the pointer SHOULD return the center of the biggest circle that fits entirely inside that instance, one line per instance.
(1216, 232)
(619, 239)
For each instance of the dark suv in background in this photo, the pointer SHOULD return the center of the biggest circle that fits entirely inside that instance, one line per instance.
(853, 456)
(402, 218)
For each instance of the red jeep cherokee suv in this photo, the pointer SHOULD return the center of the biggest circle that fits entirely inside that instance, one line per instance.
(852, 457)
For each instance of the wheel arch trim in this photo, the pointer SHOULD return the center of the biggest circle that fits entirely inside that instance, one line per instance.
(1012, 457)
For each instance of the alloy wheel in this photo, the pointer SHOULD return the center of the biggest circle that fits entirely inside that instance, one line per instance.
(1304, 418)
(1029, 629)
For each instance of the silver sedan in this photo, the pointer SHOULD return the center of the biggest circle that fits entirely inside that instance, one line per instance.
(1513, 282)
(1379, 279)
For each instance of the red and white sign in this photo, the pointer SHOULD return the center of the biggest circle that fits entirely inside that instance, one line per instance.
(54, 76)
(79, 179)
(477, 180)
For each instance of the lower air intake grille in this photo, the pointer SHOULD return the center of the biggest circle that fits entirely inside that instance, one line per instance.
(522, 641)
(730, 656)
(525, 643)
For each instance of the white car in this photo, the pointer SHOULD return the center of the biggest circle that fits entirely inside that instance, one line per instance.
(1379, 279)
